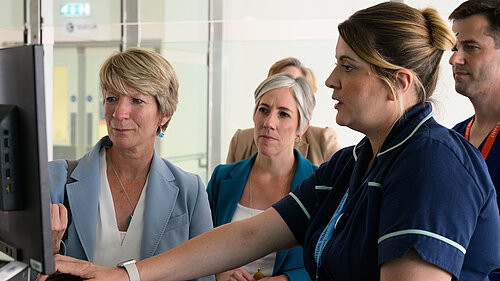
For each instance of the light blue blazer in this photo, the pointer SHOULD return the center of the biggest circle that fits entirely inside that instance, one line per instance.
(224, 192)
(176, 206)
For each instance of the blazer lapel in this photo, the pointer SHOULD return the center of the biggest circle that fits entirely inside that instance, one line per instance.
(278, 261)
(83, 197)
(303, 170)
(161, 195)
(233, 186)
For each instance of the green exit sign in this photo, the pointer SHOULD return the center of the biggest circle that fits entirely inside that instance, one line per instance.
(75, 9)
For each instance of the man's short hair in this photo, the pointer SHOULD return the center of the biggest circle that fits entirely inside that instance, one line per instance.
(489, 8)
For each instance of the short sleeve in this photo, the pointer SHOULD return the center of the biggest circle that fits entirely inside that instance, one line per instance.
(430, 202)
(295, 209)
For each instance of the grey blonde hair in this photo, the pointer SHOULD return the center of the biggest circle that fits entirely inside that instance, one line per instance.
(147, 72)
(300, 89)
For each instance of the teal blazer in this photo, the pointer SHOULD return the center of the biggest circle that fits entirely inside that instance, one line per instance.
(224, 192)
(176, 207)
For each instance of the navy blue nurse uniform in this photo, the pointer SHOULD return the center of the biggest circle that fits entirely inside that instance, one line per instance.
(428, 189)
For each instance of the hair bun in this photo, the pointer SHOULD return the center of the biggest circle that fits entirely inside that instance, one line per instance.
(440, 34)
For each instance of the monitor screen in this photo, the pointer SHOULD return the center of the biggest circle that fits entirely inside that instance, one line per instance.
(25, 229)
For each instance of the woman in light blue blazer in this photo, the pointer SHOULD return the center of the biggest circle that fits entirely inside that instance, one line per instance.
(283, 108)
(127, 203)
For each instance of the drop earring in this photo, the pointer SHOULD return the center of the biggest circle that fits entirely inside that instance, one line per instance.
(161, 134)
(298, 139)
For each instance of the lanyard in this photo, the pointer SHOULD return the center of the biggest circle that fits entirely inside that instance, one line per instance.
(489, 141)
(327, 233)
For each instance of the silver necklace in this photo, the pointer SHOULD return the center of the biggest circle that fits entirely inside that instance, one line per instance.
(129, 219)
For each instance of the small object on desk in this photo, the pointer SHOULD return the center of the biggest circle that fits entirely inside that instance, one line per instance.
(63, 277)
(258, 275)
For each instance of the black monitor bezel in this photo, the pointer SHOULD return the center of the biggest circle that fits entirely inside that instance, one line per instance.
(22, 85)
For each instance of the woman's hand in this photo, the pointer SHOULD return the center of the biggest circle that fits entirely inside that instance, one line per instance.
(59, 218)
(87, 270)
(240, 274)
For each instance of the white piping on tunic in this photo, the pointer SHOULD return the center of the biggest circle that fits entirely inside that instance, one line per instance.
(323, 187)
(301, 205)
(410, 135)
(375, 184)
(425, 233)
(403, 141)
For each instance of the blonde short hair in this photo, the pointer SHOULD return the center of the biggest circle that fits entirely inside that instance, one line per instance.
(295, 62)
(147, 72)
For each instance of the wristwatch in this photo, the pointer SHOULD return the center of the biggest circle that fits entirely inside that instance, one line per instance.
(131, 268)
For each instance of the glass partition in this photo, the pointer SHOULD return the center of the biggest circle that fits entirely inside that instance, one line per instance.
(77, 117)
(11, 23)
(179, 31)
(85, 33)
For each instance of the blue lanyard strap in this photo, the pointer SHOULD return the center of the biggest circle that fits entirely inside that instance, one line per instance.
(327, 233)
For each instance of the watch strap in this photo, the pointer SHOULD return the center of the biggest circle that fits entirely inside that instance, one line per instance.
(133, 273)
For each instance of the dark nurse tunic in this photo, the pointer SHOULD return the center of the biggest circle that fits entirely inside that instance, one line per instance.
(428, 189)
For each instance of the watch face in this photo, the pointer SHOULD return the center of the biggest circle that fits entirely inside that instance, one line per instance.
(124, 263)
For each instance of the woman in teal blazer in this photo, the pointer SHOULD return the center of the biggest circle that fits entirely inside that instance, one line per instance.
(224, 192)
(245, 188)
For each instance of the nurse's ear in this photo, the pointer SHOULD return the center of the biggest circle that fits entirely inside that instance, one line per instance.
(404, 80)
(401, 84)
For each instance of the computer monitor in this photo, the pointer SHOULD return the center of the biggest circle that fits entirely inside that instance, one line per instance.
(25, 227)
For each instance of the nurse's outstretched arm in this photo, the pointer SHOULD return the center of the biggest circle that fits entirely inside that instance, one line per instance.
(226, 247)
